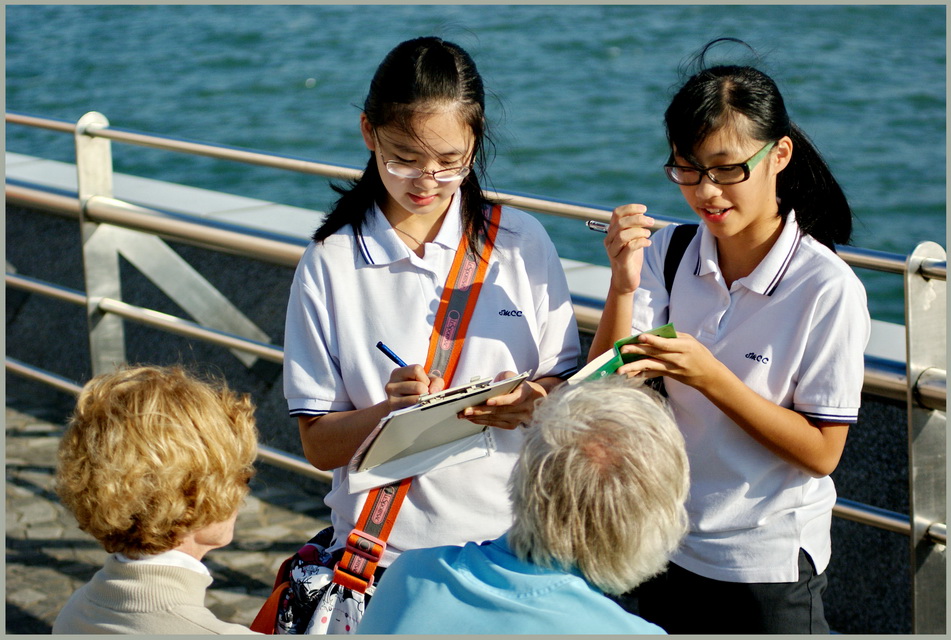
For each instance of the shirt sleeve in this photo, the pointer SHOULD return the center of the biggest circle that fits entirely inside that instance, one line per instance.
(832, 370)
(558, 343)
(651, 302)
(312, 381)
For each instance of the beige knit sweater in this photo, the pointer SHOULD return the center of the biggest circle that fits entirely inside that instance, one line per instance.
(142, 598)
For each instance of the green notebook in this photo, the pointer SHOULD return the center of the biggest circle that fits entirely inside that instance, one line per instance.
(612, 359)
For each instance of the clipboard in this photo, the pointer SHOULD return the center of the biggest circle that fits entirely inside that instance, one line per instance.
(428, 425)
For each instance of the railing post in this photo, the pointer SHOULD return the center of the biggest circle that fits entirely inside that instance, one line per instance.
(926, 327)
(100, 255)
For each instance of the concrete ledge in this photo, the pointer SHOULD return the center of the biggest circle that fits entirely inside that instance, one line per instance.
(156, 194)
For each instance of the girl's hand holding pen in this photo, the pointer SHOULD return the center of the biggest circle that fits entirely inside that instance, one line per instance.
(407, 383)
(628, 233)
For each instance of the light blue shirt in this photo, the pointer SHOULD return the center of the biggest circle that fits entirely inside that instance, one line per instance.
(484, 589)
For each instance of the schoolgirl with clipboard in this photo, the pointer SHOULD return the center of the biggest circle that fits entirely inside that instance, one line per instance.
(414, 256)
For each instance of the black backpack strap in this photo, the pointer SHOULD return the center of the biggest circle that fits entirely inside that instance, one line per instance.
(679, 239)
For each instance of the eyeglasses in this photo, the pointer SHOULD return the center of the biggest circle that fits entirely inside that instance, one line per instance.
(408, 171)
(723, 174)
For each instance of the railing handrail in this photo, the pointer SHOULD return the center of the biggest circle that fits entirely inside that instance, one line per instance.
(854, 256)
(883, 378)
(887, 380)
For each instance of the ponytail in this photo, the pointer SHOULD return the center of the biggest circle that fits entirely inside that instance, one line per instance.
(808, 187)
(356, 200)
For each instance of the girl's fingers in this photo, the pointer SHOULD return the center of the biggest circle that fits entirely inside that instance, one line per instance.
(506, 411)
(414, 372)
(643, 349)
(645, 368)
(409, 382)
(633, 232)
(504, 417)
(631, 215)
(629, 230)
(628, 242)
(407, 388)
(513, 398)
(633, 219)
(508, 399)
(632, 209)
(436, 384)
(624, 242)
(659, 343)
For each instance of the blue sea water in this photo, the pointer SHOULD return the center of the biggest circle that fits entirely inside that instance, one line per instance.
(578, 94)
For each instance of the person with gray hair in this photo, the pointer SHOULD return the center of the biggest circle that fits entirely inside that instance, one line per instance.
(598, 502)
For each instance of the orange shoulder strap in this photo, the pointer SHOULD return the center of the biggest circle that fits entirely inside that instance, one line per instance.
(366, 543)
(266, 620)
(457, 302)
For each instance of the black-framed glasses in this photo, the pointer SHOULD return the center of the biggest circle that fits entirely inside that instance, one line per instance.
(724, 174)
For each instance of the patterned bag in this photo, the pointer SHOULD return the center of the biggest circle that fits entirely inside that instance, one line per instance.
(305, 599)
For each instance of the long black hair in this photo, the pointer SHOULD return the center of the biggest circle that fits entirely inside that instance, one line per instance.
(713, 97)
(415, 75)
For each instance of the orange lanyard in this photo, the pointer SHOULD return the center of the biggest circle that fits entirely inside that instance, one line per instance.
(367, 542)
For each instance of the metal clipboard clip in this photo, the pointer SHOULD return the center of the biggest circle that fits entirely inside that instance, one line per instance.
(446, 395)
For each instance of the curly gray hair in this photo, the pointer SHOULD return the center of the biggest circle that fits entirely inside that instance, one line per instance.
(600, 484)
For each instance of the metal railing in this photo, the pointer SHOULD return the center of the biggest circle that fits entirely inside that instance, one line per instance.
(112, 227)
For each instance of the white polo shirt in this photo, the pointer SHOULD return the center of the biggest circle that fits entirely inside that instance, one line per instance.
(352, 291)
(794, 331)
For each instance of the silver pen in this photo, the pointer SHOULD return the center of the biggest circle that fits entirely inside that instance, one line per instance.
(597, 225)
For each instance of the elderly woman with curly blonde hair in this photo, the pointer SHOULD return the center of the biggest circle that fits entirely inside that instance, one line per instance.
(154, 465)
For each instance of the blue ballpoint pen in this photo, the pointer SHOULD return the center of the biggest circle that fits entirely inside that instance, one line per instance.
(389, 354)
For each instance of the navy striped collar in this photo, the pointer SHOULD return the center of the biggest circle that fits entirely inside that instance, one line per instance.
(770, 271)
(379, 244)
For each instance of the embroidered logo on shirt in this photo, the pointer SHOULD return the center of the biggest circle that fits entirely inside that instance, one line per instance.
(514, 312)
(758, 358)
